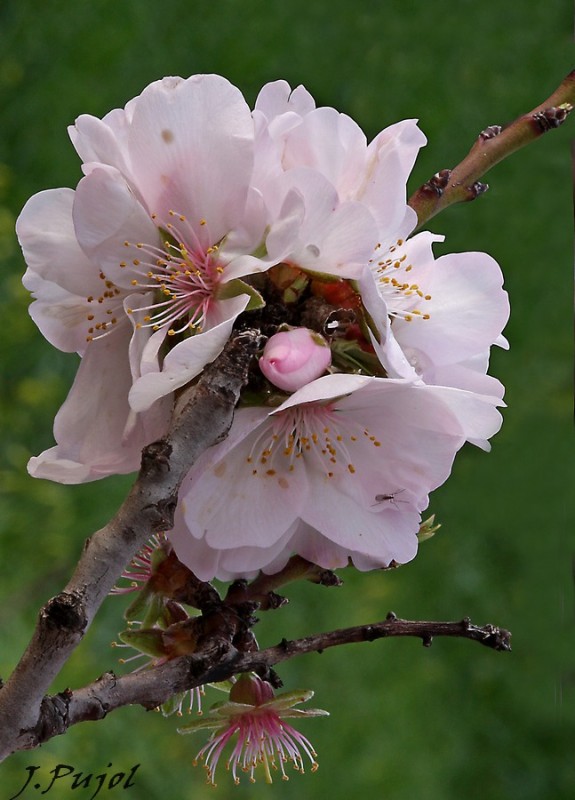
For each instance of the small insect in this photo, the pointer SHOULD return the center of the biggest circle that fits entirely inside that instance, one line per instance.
(389, 498)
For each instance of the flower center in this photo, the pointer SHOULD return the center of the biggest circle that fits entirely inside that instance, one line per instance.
(313, 436)
(404, 299)
(183, 274)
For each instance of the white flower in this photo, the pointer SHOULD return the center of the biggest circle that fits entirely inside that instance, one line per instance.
(137, 270)
(309, 476)
(436, 319)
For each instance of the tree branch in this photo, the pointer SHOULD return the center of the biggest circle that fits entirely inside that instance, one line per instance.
(219, 661)
(493, 145)
(202, 416)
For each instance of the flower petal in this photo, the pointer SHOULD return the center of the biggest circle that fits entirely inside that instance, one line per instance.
(106, 215)
(48, 240)
(191, 150)
(188, 358)
(90, 427)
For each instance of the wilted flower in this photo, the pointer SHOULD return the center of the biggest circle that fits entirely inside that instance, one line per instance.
(264, 738)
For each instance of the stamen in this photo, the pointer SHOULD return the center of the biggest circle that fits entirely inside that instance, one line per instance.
(401, 297)
(308, 436)
(182, 274)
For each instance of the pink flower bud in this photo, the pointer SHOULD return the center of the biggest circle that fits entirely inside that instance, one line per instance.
(293, 358)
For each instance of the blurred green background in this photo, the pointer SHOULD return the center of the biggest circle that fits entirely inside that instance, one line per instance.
(447, 722)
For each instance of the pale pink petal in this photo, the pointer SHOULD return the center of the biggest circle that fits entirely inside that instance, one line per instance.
(277, 98)
(59, 315)
(48, 240)
(327, 388)
(222, 496)
(390, 354)
(188, 358)
(191, 150)
(333, 144)
(389, 534)
(103, 141)
(468, 307)
(389, 162)
(90, 428)
(467, 375)
(237, 562)
(334, 238)
(106, 215)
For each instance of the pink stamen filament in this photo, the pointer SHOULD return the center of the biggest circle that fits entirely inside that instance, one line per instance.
(186, 276)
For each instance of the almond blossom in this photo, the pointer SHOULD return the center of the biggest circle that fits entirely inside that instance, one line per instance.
(292, 134)
(139, 269)
(192, 211)
(438, 318)
(305, 476)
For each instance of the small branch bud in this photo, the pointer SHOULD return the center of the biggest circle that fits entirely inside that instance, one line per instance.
(490, 132)
(493, 145)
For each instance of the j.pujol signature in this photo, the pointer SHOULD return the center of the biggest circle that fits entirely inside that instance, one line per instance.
(41, 782)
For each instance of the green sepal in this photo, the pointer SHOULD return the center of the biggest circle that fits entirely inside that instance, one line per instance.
(172, 704)
(288, 699)
(139, 606)
(204, 724)
(148, 641)
(427, 529)
(156, 612)
(351, 358)
(237, 287)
